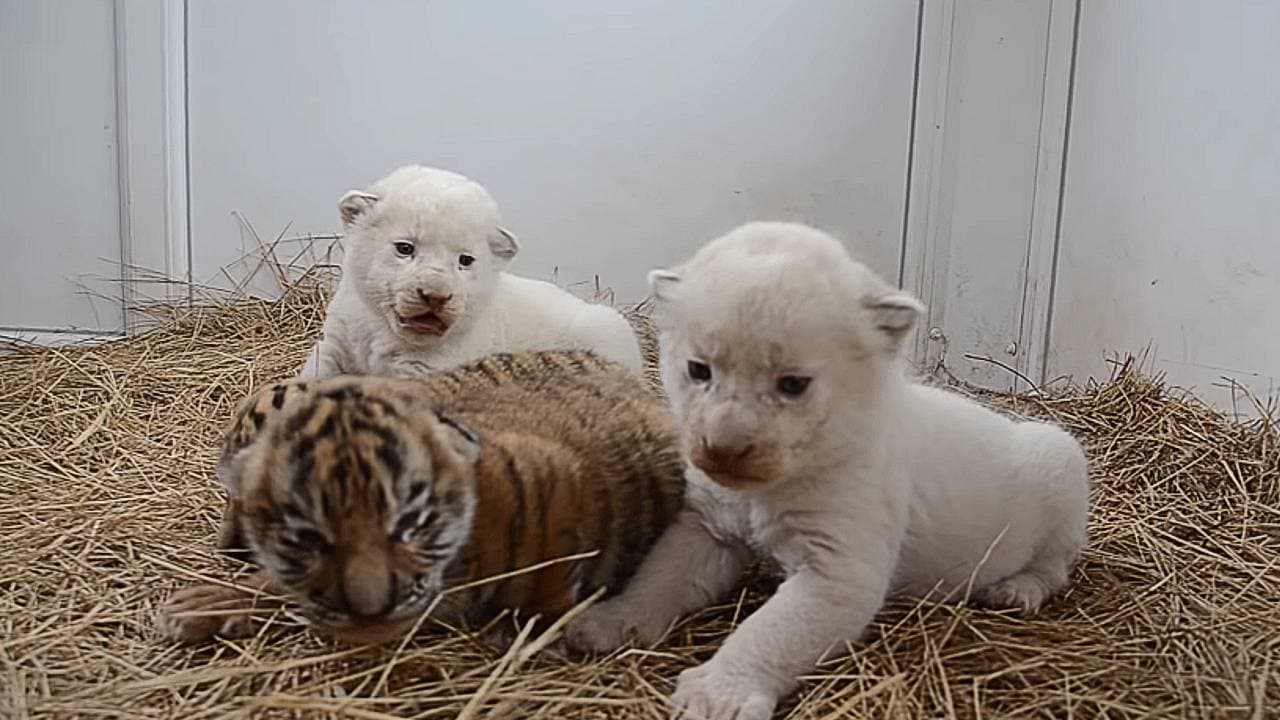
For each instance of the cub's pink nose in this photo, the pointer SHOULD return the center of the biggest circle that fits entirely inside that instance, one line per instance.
(726, 454)
(735, 463)
(434, 299)
(368, 588)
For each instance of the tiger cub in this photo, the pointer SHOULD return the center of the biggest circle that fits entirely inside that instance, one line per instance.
(363, 498)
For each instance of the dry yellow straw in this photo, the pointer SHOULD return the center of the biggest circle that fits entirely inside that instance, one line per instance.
(108, 503)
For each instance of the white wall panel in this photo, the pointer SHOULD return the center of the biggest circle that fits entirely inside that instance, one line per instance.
(60, 227)
(1171, 224)
(988, 137)
(615, 135)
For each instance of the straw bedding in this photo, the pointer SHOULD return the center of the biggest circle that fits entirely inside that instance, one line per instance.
(108, 503)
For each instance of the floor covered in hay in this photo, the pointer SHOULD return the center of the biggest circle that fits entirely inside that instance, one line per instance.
(108, 503)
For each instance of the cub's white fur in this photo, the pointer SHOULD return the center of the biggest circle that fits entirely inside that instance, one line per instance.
(861, 485)
(423, 286)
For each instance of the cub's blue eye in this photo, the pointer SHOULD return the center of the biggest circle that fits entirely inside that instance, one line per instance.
(404, 249)
(699, 371)
(312, 541)
(793, 385)
(466, 260)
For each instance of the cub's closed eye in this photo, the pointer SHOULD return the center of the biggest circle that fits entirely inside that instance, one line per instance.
(466, 260)
(404, 248)
(404, 527)
(699, 371)
(793, 385)
(411, 522)
(312, 540)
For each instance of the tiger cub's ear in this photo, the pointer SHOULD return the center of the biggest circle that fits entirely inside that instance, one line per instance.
(230, 467)
(459, 438)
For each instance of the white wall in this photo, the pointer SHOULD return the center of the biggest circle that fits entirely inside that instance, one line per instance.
(986, 164)
(1171, 218)
(620, 135)
(59, 226)
(616, 136)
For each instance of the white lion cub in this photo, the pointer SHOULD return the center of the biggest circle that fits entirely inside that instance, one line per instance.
(782, 357)
(423, 286)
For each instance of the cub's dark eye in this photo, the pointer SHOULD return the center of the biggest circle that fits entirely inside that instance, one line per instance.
(698, 371)
(465, 260)
(312, 541)
(404, 249)
(793, 385)
(404, 527)
(411, 522)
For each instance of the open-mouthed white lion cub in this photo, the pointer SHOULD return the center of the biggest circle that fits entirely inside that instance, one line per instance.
(782, 357)
(423, 286)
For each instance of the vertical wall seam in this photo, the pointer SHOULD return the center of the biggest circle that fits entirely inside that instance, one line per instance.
(938, 233)
(1020, 334)
(186, 142)
(911, 144)
(124, 225)
(1062, 195)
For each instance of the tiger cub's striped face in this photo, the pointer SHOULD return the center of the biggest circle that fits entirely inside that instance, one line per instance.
(355, 497)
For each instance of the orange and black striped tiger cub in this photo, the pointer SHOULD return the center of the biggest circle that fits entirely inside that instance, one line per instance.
(363, 498)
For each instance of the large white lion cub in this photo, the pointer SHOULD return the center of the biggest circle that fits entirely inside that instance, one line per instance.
(782, 357)
(423, 286)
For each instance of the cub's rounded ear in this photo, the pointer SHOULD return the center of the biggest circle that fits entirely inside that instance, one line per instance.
(503, 244)
(353, 204)
(893, 315)
(460, 438)
(663, 284)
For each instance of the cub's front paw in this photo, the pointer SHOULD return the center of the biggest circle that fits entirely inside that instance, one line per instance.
(712, 692)
(1024, 593)
(200, 612)
(605, 627)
